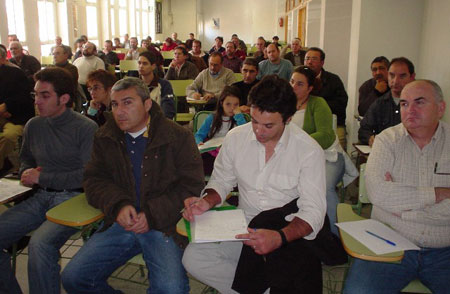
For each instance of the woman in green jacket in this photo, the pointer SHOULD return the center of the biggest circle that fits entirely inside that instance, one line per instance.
(314, 117)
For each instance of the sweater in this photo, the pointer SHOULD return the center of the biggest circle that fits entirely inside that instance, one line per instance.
(207, 83)
(61, 146)
(86, 65)
(203, 132)
(283, 69)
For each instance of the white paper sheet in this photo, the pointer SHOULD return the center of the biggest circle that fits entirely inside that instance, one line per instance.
(212, 143)
(365, 149)
(357, 230)
(218, 225)
(10, 188)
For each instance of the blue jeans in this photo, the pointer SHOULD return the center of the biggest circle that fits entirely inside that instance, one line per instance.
(334, 171)
(105, 251)
(430, 266)
(43, 249)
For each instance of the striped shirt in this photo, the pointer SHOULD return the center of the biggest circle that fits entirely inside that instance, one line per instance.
(408, 203)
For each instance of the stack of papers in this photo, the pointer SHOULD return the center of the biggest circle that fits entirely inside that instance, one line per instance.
(218, 225)
(385, 241)
(11, 188)
(211, 144)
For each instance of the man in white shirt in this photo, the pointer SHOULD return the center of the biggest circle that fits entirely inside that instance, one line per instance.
(408, 182)
(87, 64)
(273, 163)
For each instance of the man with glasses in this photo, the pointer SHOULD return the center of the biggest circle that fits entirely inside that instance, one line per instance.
(408, 183)
(331, 89)
(58, 42)
(60, 59)
(56, 146)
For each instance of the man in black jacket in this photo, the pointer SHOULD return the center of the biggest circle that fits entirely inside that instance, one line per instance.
(16, 107)
(385, 111)
(331, 89)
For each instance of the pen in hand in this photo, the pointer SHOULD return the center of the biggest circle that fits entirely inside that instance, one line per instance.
(381, 238)
(193, 203)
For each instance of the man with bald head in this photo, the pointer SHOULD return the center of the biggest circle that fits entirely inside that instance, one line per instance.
(408, 183)
(58, 42)
(275, 65)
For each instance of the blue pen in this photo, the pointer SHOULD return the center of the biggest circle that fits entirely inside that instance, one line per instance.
(381, 238)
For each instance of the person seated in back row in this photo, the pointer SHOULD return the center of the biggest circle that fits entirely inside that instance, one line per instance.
(180, 68)
(249, 72)
(408, 183)
(210, 82)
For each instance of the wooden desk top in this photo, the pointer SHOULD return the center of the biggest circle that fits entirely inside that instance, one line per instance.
(10, 190)
(355, 248)
(75, 212)
(200, 101)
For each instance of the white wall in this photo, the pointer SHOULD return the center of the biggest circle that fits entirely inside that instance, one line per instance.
(178, 16)
(313, 29)
(434, 60)
(249, 19)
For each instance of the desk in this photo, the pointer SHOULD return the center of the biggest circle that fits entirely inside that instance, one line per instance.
(198, 104)
(75, 212)
(10, 190)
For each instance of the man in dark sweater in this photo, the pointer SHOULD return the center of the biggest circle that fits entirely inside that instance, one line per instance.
(56, 145)
(249, 71)
(375, 87)
(143, 166)
(16, 107)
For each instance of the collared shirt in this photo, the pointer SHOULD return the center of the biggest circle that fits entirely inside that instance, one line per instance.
(296, 169)
(408, 204)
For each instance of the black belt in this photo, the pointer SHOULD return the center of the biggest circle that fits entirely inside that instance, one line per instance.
(79, 190)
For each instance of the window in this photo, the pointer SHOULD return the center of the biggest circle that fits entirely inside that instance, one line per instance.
(47, 34)
(123, 21)
(158, 18)
(92, 25)
(112, 23)
(16, 23)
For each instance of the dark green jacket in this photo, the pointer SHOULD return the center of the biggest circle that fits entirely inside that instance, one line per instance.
(172, 171)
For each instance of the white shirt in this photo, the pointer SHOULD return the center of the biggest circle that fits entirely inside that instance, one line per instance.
(86, 65)
(296, 169)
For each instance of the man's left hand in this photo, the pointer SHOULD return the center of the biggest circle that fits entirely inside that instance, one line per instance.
(261, 240)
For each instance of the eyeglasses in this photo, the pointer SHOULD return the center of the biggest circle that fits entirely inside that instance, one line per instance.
(314, 58)
(440, 173)
(95, 88)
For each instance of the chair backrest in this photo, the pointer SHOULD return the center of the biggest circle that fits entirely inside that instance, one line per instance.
(199, 118)
(179, 87)
(238, 76)
(362, 193)
(247, 117)
(112, 69)
(126, 65)
(167, 54)
(121, 50)
(46, 60)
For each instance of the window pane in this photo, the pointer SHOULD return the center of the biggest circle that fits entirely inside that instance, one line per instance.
(122, 3)
(16, 24)
(138, 24)
(123, 22)
(46, 21)
(112, 23)
(145, 24)
(91, 17)
(91, 1)
(111, 2)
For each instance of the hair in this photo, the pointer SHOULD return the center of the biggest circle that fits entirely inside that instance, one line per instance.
(16, 42)
(317, 49)
(183, 49)
(191, 34)
(65, 49)
(216, 124)
(150, 56)
(102, 76)
(234, 35)
(61, 80)
(117, 39)
(251, 61)
(220, 38)
(84, 37)
(381, 59)
(3, 53)
(437, 91)
(78, 41)
(109, 42)
(405, 61)
(134, 38)
(198, 42)
(275, 38)
(308, 73)
(234, 45)
(169, 40)
(135, 83)
(296, 39)
(214, 54)
(261, 38)
(276, 47)
(274, 94)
